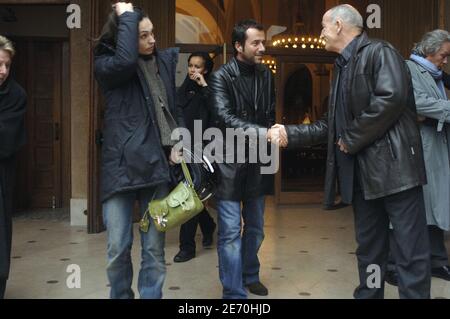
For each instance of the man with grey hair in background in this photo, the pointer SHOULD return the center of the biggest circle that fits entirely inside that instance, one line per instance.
(375, 157)
(12, 137)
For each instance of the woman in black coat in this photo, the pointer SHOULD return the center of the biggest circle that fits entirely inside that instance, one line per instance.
(192, 97)
(12, 137)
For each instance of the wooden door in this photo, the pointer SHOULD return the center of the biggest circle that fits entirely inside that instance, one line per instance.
(302, 89)
(38, 68)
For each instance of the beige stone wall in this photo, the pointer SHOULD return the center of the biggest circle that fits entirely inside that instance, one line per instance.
(80, 73)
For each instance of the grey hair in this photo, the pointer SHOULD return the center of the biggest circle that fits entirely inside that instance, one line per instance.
(347, 14)
(6, 45)
(431, 42)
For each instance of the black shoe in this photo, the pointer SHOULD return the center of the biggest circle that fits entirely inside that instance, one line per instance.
(183, 256)
(441, 272)
(208, 238)
(258, 289)
(391, 277)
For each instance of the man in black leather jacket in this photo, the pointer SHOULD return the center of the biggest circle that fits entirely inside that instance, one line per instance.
(242, 97)
(374, 154)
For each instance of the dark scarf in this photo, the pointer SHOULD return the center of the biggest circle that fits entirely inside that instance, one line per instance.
(248, 73)
(246, 69)
(146, 57)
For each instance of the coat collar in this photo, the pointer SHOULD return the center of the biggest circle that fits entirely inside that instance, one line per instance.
(431, 81)
(234, 68)
(239, 87)
(363, 41)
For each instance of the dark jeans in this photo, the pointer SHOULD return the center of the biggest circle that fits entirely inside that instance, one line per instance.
(118, 218)
(238, 256)
(406, 212)
(188, 230)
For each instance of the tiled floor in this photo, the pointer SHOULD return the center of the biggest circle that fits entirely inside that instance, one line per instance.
(307, 253)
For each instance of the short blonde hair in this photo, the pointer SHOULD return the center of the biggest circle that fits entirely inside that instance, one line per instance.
(6, 45)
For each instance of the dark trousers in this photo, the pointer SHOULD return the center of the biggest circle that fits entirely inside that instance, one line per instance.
(189, 229)
(439, 257)
(438, 252)
(406, 212)
(7, 178)
(2, 288)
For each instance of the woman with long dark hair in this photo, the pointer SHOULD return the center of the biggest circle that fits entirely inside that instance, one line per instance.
(138, 83)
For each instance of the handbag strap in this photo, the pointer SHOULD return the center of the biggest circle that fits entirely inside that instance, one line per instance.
(173, 126)
(170, 120)
(187, 174)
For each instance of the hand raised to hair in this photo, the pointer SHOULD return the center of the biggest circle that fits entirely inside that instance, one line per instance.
(121, 7)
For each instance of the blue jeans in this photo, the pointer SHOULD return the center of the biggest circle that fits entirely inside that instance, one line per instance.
(118, 218)
(238, 257)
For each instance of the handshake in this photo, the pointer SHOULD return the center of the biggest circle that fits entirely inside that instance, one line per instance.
(277, 135)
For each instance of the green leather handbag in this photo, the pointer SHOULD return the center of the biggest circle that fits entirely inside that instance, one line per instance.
(176, 208)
